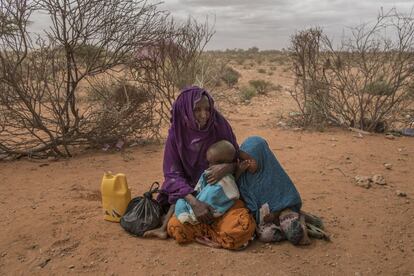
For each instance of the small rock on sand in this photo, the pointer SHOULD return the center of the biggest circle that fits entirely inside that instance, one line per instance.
(281, 124)
(44, 262)
(363, 181)
(379, 179)
(388, 166)
(390, 137)
(401, 193)
(359, 135)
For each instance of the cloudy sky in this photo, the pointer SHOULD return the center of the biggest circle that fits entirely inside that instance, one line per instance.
(268, 24)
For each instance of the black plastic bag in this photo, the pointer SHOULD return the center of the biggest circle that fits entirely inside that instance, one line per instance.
(143, 213)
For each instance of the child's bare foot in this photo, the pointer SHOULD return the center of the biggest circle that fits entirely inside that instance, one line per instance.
(305, 239)
(156, 233)
(269, 218)
(208, 242)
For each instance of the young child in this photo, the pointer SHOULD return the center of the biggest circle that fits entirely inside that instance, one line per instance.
(222, 195)
(270, 194)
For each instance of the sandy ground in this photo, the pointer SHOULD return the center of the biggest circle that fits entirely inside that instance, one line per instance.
(52, 216)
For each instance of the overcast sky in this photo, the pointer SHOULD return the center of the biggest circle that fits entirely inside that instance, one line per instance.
(268, 24)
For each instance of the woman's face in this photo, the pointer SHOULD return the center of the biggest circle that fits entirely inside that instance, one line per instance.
(252, 162)
(202, 112)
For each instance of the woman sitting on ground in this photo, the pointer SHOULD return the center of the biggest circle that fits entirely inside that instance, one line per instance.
(271, 196)
(195, 126)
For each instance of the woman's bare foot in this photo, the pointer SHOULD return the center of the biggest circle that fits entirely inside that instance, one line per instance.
(161, 232)
(156, 233)
(208, 242)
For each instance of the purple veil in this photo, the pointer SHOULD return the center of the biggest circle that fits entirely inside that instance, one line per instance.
(186, 146)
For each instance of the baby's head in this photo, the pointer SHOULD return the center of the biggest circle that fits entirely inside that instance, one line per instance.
(221, 152)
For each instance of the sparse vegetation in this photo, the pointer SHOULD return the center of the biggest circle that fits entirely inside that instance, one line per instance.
(230, 76)
(378, 88)
(277, 88)
(261, 86)
(173, 62)
(365, 83)
(247, 93)
(133, 76)
(121, 110)
(43, 108)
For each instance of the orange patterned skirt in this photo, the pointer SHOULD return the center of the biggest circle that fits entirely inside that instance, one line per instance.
(232, 230)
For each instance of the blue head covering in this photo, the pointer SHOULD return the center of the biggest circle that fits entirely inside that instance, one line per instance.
(270, 184)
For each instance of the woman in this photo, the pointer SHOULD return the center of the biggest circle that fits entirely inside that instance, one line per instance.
(195, 126)
(264, 185)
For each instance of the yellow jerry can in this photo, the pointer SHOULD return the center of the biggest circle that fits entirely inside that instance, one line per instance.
(115, 196)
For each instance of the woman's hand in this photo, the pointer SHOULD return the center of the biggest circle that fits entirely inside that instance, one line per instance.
(202, 211)
(217, 172)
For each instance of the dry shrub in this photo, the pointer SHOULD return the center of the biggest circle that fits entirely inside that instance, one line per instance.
(363, 83)
(261, 71)
(167, 65)
(42, 112)
(261, 86)
(277, 88)
(230, 76)
(378, 88)
(120, 110)
(247, 93)
(209, 68)
(240, 60)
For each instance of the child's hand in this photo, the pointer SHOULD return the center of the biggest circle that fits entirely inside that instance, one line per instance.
(243, 165)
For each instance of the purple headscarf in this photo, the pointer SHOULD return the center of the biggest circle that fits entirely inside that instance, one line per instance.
(186, 146)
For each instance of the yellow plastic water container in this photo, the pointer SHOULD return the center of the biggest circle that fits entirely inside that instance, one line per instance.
(115, 196)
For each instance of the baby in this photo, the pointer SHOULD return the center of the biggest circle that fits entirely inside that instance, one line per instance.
(222, 195)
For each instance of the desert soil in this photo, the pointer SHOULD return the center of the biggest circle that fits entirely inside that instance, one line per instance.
(52, 215)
